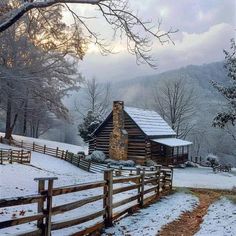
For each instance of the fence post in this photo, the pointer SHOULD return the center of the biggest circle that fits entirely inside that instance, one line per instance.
(41, 187)
(21, 156)
(89, 165)
(71, 157)
(11, 157)
(158, 168)
(62, 154)
(33, 146)
(1, 156)
(44, 149)
(172, 172)
(142, 188)
(138, 170)
(1, 139)
(48, 210)
(57, 152)
(108, 192)
(66, 154)
(29, 156)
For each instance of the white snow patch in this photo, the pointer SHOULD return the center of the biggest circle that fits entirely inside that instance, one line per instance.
(150, 220)
(204, 177)
(51, 144)
(220, 219)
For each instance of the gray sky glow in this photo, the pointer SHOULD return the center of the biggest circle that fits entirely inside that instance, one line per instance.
(205, 28)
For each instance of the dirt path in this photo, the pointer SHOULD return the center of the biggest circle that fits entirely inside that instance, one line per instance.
(189, 222)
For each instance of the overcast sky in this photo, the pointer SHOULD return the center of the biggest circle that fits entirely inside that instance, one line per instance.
(205, 29)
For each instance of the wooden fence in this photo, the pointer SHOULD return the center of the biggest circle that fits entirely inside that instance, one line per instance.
(146, 187)
(10, 156)
(75, 159)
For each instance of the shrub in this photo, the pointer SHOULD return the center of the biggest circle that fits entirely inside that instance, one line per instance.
(98, 156)
(190, 164)
(213, 160)
(111, 161)
(128, 163)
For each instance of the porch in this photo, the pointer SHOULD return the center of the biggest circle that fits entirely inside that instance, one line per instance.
(170, 151)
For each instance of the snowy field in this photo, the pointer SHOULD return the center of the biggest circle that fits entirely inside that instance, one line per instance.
(51, 144)
(220, 219)
(18, 180)
(204, 177)
(148, 221)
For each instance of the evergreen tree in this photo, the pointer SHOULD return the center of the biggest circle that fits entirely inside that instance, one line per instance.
(89, 125)
(227, 118)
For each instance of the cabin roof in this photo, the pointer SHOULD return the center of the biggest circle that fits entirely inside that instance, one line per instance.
(150, 122)
(172, 142)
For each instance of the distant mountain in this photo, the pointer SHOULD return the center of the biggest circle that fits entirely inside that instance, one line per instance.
(199, 76)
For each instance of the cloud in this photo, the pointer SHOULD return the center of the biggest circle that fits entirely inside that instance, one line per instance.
(191, 48)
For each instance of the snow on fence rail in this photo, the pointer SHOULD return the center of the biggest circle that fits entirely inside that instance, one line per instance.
(148, 186)
(19, 156)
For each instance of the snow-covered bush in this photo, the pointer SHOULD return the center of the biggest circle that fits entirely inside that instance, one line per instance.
(81, 153)
(190, 164)
(212, 159)
(98, 156)
(88, 158)
(111, 161)
(150, 163)
(128, 163)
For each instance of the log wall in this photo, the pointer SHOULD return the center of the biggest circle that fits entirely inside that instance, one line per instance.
(139, 147)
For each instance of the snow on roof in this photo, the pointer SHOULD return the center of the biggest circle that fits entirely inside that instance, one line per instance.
(172, 142)
(150, 122)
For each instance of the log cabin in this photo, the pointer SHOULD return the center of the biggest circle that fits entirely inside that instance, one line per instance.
(140, 135)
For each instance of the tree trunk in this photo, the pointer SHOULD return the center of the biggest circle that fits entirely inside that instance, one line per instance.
(9, 126)
(8, 119)
(25, 117)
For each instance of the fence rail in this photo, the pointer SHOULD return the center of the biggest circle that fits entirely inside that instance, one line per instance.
(148, 187)
(11, 156)
(75, 159)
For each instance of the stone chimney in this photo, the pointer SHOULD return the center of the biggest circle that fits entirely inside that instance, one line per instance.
(118, 146)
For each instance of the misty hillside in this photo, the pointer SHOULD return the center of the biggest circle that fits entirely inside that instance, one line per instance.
(138, 89)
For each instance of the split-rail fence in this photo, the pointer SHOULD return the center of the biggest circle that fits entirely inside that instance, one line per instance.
(10, 155)
(146, 187)
(75, 159)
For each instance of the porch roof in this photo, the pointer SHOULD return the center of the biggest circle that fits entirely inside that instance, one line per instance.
(172, 142)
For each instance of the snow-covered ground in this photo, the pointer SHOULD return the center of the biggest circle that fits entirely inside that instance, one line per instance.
(220, 219)
(18, 180)
(148, 221)
(51, 144)
(204, 177)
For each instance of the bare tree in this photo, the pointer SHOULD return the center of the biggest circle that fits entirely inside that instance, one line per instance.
(126, 23)
(31, 74)
(95, 107)
(97, 99)
(174, 101)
